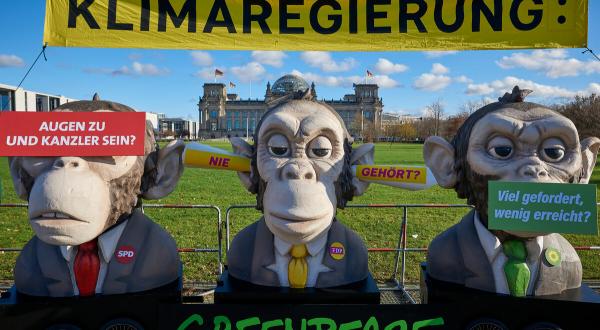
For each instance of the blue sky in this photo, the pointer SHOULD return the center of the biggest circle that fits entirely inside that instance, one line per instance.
(170, 81)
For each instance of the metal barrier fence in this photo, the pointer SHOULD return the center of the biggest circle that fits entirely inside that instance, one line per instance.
(401, 249)
(218, 250)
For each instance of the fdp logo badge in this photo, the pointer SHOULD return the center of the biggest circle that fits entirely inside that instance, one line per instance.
(337, 251)
(125, 254)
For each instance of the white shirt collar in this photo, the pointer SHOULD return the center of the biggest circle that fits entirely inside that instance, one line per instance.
(314, 247)
(492, 246)
(107, 243)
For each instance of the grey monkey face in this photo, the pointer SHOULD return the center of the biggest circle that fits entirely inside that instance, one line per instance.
(300, 156)
(70, 200)
(534, 146)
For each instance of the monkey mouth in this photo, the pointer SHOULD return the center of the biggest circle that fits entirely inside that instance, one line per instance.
(54, 215)
(291, 217)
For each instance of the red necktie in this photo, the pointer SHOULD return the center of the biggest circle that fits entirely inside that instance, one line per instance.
(86, 267)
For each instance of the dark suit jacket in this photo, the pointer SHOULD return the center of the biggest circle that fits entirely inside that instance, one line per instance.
(457, 256)
(41, 269)
(252, 251)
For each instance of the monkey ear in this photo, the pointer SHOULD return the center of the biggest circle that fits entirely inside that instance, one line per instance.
(242, 148)
(589, 153)
(439, 157)
(17, 171)
(363, 155)
(169, 167)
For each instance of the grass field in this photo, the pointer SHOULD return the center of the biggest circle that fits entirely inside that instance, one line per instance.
(197, 228)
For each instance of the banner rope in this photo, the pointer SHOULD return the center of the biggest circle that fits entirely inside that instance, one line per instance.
(588, 50)
(42, 52)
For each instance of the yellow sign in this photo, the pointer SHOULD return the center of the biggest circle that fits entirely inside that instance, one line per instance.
(197, 155)
(392, 173)
(351, 25)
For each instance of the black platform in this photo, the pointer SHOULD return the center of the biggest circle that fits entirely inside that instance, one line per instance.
(435, 291)
(233, 291)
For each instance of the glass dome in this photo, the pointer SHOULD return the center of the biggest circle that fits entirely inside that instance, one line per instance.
(289, 84)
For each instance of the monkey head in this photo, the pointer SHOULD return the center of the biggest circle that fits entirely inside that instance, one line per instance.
(510, 140)
(73, 200)
(301, 168)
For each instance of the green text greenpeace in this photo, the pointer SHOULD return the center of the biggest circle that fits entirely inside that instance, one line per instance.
(542, 207)
(222, 322)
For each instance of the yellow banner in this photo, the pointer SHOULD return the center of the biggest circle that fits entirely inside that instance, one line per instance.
(405, 174)
(215, 160)
(350, 25)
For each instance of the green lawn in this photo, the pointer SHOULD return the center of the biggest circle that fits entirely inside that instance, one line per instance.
(378, 227)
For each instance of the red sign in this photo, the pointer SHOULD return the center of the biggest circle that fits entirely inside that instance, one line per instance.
(72, 133)
(125, 254)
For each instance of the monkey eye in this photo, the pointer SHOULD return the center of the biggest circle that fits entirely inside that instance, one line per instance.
(278, 145)
(320, 147)
(553, 150)
(500, 148)
(278, 151)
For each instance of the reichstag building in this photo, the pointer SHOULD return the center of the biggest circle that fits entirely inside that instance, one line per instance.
(223, 114)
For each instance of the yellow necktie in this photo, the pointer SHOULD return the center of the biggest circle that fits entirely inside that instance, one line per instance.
(298, 268)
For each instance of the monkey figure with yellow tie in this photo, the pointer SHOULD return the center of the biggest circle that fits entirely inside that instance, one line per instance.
(301, 173)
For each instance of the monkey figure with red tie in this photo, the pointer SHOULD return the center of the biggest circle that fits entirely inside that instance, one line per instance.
(90, 238)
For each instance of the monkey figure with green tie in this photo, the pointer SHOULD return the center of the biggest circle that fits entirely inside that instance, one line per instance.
(510, 140)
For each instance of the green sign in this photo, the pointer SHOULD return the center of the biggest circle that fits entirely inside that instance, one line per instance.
(542, 207)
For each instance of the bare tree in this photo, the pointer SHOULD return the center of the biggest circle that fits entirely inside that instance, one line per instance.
(435, 111)
(401, 131)
(472, 105)
(584, 112)
(453, 123)
(358, 124)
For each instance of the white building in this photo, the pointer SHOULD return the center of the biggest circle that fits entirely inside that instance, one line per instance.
(153, 118)
(12, 99)
(178, 128)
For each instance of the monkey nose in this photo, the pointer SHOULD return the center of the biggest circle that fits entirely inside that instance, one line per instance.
(69, 162)
(295, 171)
(533, 171)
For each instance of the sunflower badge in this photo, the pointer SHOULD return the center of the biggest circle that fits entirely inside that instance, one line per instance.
(552, 256)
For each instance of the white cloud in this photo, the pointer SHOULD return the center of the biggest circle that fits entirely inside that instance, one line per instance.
(432, 82)
(272, 58)
(594, 88)
(553, 63)
(207, 73)
(437, 54)
(330, 81)
(325, 62)
(499, 87)
(201, 58)
(436, 80)
(438, 68)
(387, 67)
(136, 69)
(383, 81)
(252, 71)
(463, 79)
(13, 61)
(141, 69)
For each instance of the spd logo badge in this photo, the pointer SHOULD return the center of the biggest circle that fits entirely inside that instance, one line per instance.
(125, 254)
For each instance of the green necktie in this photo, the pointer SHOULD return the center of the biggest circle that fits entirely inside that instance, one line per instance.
(516, 270)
